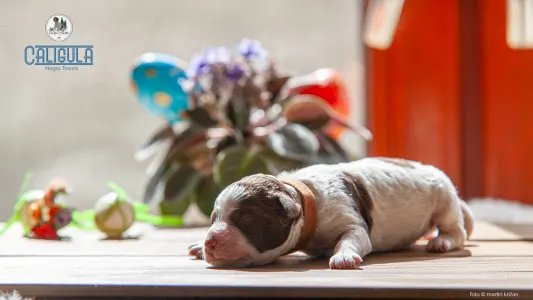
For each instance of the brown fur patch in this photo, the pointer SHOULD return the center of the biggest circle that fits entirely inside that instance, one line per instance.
(262, 214)
(360, 195)
(404, 163)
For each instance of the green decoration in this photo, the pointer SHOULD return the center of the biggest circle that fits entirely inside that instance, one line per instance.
(119, 205)
(16, 217)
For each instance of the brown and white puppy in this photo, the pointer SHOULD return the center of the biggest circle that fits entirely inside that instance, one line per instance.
(369, 205)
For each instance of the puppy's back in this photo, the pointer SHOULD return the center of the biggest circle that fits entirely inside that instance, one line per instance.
(396, 173)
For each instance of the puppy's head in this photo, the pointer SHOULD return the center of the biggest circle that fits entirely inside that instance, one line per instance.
(254, 221)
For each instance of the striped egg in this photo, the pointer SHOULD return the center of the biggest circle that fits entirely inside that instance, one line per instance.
(155, 79)
(113, 216)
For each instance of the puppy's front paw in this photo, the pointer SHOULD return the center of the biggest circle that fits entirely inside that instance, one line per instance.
(439, 245)
(196, 249)
(345, 260)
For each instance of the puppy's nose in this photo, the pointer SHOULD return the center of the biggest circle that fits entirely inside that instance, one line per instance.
(211, 243)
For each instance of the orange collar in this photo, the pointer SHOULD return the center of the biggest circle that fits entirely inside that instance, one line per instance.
(308, 210)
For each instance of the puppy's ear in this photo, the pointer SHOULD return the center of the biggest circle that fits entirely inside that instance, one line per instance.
(292, 209)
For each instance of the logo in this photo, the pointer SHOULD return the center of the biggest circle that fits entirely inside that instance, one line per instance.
(59, 57)
(58, 27)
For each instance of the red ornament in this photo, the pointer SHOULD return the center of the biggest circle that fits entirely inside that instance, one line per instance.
(328, 85)
(45, 231)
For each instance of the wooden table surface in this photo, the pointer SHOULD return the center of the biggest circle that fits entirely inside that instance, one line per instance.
(497, 263)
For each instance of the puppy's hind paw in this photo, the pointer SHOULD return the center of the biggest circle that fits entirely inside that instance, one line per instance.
(439, 245)
(196, 250)
(345, 260)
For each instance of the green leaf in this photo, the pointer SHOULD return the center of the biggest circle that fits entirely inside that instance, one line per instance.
(239, 117)
(230, 113)
(181, 181)
(332, 147)
(355, 128)
(293, 141)
(153, 186)
(206, 193)
(154, 142)
(224, 143)
(236, 162)
(190, 136)
(277, 164)
(275, 86)
(238, 107)
(172, 208)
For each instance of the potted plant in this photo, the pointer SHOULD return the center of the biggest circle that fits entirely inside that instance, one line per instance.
(230, 114)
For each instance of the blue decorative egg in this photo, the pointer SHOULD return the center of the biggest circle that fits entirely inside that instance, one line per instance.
(156, 80)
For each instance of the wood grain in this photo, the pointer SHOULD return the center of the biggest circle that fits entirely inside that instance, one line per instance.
(499, 259)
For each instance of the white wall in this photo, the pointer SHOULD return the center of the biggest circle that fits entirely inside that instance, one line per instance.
(86, 124)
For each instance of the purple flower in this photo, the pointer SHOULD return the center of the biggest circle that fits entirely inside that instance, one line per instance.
(201, 64)
(250, 49)
(234, 72)
(198, 66)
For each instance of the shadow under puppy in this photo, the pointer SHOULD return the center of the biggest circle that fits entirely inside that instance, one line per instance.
(343, 211)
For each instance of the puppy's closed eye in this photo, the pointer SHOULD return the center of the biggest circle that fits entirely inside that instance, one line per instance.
(247, 220)
(243, 217)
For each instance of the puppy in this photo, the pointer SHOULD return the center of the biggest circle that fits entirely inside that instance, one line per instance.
(343, 211)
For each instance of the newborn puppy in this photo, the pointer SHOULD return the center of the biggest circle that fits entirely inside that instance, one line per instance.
(343, 211)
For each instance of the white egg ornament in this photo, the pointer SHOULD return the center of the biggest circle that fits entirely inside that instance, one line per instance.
(114, 215)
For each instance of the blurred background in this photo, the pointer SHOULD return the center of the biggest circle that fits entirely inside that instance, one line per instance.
(442, 82)
(85, 125)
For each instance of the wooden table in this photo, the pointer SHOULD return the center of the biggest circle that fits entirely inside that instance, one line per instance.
(496, 264)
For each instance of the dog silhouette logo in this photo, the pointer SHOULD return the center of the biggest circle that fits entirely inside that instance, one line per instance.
(59, 27)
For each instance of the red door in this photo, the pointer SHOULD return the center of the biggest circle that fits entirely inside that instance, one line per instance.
(507, 93)
(413, 91)
(450, 92)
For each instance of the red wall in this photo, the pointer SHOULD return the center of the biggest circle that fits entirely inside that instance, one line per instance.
(507, 93)
(450, 92)
(413, 88)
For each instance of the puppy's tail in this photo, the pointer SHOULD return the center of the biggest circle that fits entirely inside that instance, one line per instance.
(468, 218)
